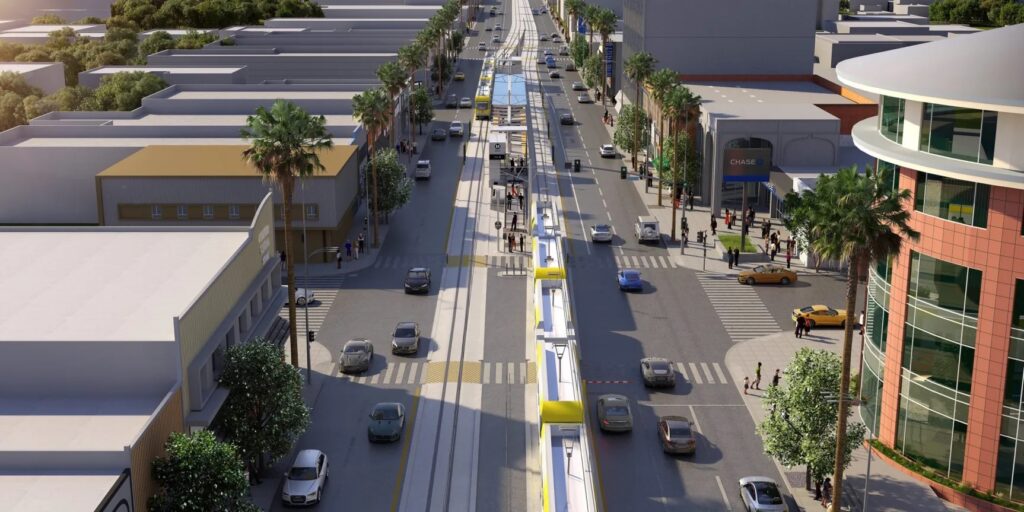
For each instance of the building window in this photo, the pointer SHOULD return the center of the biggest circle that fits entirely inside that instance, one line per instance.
(889, 173)
(959, 201)
(312, 212)
(156, 212)
(234, 212)
(182, 211)
(208, 211)
(890, 118)
(961, 133)
(938, 362)
(1010, 461)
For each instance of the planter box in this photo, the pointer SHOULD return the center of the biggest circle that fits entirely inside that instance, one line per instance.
(745, 257)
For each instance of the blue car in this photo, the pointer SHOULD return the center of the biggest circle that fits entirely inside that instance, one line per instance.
(629, 280)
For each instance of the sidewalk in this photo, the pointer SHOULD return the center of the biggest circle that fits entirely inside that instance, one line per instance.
(889, 489)
(268, 490)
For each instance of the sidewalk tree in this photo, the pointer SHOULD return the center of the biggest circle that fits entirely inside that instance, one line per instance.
(574, 8)
(632, 132)
(264, 413)
(604, 24)
(392, 78)
(395, 186)
(638, 68)
(284, 143)
(589, 17)
(799, 427)
(422, 107)
(199, 474)
(661, 83)
(592, 71)
(578, 51)
(855, 219)
(372, 108)
(673, 169)
(412, 57)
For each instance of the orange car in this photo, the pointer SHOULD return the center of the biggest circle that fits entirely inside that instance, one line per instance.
(819, 315)
(767, 274)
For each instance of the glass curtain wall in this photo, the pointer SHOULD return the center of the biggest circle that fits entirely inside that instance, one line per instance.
(876, 330)
(961, 133)
(959, 201)
(1010, 462)
(890, 118)
(938, 362)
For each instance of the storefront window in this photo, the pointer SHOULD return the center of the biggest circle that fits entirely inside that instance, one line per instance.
(959, 201)
(890, 118)
(961, 133)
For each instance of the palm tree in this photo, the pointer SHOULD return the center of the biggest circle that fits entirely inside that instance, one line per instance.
(638, 68)
(855, 219)
(412, 57)
(690, 101)
(673, 105)
(590, 16)
(372, 108)
(661, 82)
(604, 24)
(393, 78)
(573, 8)
(285, 142)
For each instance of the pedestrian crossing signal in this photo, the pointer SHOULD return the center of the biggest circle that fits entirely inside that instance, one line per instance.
(311, 336)
(622, 172)
(576, 165)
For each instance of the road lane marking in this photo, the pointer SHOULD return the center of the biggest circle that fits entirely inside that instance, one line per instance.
(522, 373)
(605, 203)
(487, 372)
(599, 191)
(696, 374)
(693, 416)
(498, 373)
(609, 216)
(376, 378)
(725, 497)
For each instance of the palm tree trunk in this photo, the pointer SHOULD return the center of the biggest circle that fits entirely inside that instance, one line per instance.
(844, 382)
(672, 173)
(661, 149)
(287, 187)
(373, 174)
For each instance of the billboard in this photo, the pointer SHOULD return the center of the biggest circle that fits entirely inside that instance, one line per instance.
(609, 59)
(746, 164)
(581, 26)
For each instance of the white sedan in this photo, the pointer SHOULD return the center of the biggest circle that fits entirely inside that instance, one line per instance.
(584, 98)
(304, 483)
(761, 494)
(601, 233)
(455, 129)
(608, 151)
(303, 296)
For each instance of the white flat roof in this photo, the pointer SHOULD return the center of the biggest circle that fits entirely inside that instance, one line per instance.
(77, 492)
(129, 142)
(46, 29)
(982, 71)
(72, 425)
(263, 95)
(212, 120)
(284, 54)
(212, 70)
(25, 67)
(107, 284)
(778, 97)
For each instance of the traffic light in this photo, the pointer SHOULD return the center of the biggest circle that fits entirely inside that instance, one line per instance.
(622, 172)
(311, 336)
(576, 165)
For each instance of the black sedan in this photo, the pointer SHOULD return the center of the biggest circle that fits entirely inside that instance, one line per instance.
(417, 280)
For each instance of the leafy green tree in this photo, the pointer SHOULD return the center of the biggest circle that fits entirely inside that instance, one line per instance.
(802, 411)
(194, 39)
(125, 90)
(394, 188)
(578, 51)
(264, 413)
(48, 19)
(372, 108)
(36, 106)
(13, 82)
(422, 108)
(591, 71)
(638, 68)
(632, 132)
(149, 14)
(156, 42)
(412, 57)
(285, 143)
(200, 474)
(661, 83)
(75, 97)
(590, 13)
(89, 20)
(574, 8)
(855, 219)
(9, 51)
(12, 110)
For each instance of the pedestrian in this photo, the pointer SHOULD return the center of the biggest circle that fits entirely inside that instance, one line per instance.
(774, 250)
(611, 121)
(764, 232)
(789, 257)
(800, 323)
(361, 241)
(826, 492)
(515, 221)
(757, 376)
(355, 250)
(732, 221)
(714, 224)
(736, 257)
(284, 261)
(728, 216)
(414, 147)
(508, 199)
(511, 242)
(685, 225)
(522, 246)
(398, 147)
(689, 199)
(338, 258)
(776, 378)
(861, 322)
(686, 237)
(729, 253)
(348, 249)
(807, 326)
(520, 202)
(746, 384)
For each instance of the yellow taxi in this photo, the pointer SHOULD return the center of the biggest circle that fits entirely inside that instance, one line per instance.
(459, 76)
(767, 274)
(820, 315)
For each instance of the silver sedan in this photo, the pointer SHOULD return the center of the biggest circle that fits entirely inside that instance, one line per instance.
(614, 413)
(601, 233)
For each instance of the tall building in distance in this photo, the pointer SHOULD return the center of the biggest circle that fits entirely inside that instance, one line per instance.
(943, 364)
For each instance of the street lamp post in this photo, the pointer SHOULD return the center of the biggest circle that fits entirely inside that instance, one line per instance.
(568, 456)
(559, 352)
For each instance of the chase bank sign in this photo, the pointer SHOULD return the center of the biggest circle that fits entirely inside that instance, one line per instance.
(746, 164)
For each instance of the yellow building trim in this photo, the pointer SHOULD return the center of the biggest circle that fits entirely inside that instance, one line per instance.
(549, 273)
(565, 411)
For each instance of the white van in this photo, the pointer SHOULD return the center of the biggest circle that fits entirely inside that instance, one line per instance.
(646, 229)
(422, 170)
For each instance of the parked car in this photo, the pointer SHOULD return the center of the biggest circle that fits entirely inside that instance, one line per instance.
(629, 280)
(614, 413)
(601, 233)
(356, 355)
(767, 274)
(481, 46)
(453, 101)
(535, 12)
(657, 372)
(584, 98)
(465, 102)
(497, 28)
(548, 52)
(541, 59)
(579, 86)
(820, 315)
(676, 435)
(406, 338)
(305, 480)
(422, 170)
(566, 118)
(554, 74)
(455, 129)
(304, 296)
(761, 494)
(647, 229)
(608, 151)
(438, 134)
(417, 280)
(387, 420)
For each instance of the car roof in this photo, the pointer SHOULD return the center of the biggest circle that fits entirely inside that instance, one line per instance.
(630, 271)
(419, 269)
(675, 419)
(602, 226)
(654, 360)
(613, 398)
(607, 146)
(405, 324)
(753, 479)
(423, 162)
(387, 405)
(306, 458)
(360, 341)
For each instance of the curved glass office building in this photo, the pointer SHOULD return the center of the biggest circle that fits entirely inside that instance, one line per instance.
(943, 377)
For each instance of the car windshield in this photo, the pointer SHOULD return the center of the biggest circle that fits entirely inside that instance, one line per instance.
(808, 309)
(660, 365)
(761, 269)
(616, 410)
(302, 474)
(405, 332)
(418, 274)
(354, 348)
(631, 276)
(385, 413)
(602, 228)
(767, 493)
(607, 147)
(677, 430)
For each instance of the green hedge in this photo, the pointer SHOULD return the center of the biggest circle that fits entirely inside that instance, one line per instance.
(733, 242)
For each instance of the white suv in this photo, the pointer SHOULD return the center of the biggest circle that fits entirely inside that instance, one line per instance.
(422, 169)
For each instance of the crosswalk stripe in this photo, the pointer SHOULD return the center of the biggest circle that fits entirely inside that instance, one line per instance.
(375, 378)
(682, 370)
(522, 373)
(720, 373)
(497, 373)
(389, 373)
(707, 372)
(487, 372)
(656, 262)
(400, 374)
(696, 374)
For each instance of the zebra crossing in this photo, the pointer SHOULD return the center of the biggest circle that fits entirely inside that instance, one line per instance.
(622, 261)
(323, 299)
(692, 372)
(318, 283)
(739, 307)
(398, 373)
